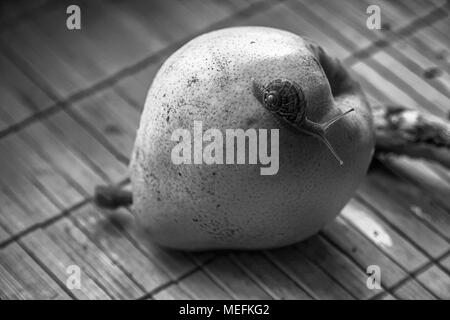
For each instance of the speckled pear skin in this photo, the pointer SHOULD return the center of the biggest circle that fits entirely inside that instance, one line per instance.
(201, 207)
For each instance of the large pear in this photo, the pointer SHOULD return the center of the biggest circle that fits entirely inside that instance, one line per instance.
(200, 206)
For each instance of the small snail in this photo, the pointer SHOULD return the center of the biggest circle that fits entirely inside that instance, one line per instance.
(285, 99)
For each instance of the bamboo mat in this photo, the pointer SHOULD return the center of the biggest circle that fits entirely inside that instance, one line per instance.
(69, 107)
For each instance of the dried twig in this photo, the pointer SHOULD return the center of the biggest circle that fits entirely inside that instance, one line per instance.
(410, 132)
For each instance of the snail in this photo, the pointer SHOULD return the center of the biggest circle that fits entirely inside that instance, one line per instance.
(285, 99)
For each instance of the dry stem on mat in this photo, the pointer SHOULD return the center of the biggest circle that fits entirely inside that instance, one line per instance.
(410, 132)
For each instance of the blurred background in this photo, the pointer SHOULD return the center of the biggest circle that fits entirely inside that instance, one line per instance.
(70, 102)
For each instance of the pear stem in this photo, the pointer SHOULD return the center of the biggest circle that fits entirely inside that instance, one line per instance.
(112, 197)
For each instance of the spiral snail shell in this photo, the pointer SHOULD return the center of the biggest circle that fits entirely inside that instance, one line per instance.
(284, 98)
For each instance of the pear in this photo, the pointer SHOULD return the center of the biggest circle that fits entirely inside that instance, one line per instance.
(198, 206)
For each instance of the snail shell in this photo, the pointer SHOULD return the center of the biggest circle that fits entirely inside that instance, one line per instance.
(284, 98)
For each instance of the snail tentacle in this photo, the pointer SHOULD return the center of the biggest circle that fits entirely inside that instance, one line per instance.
(319, 130)
(330, 122)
